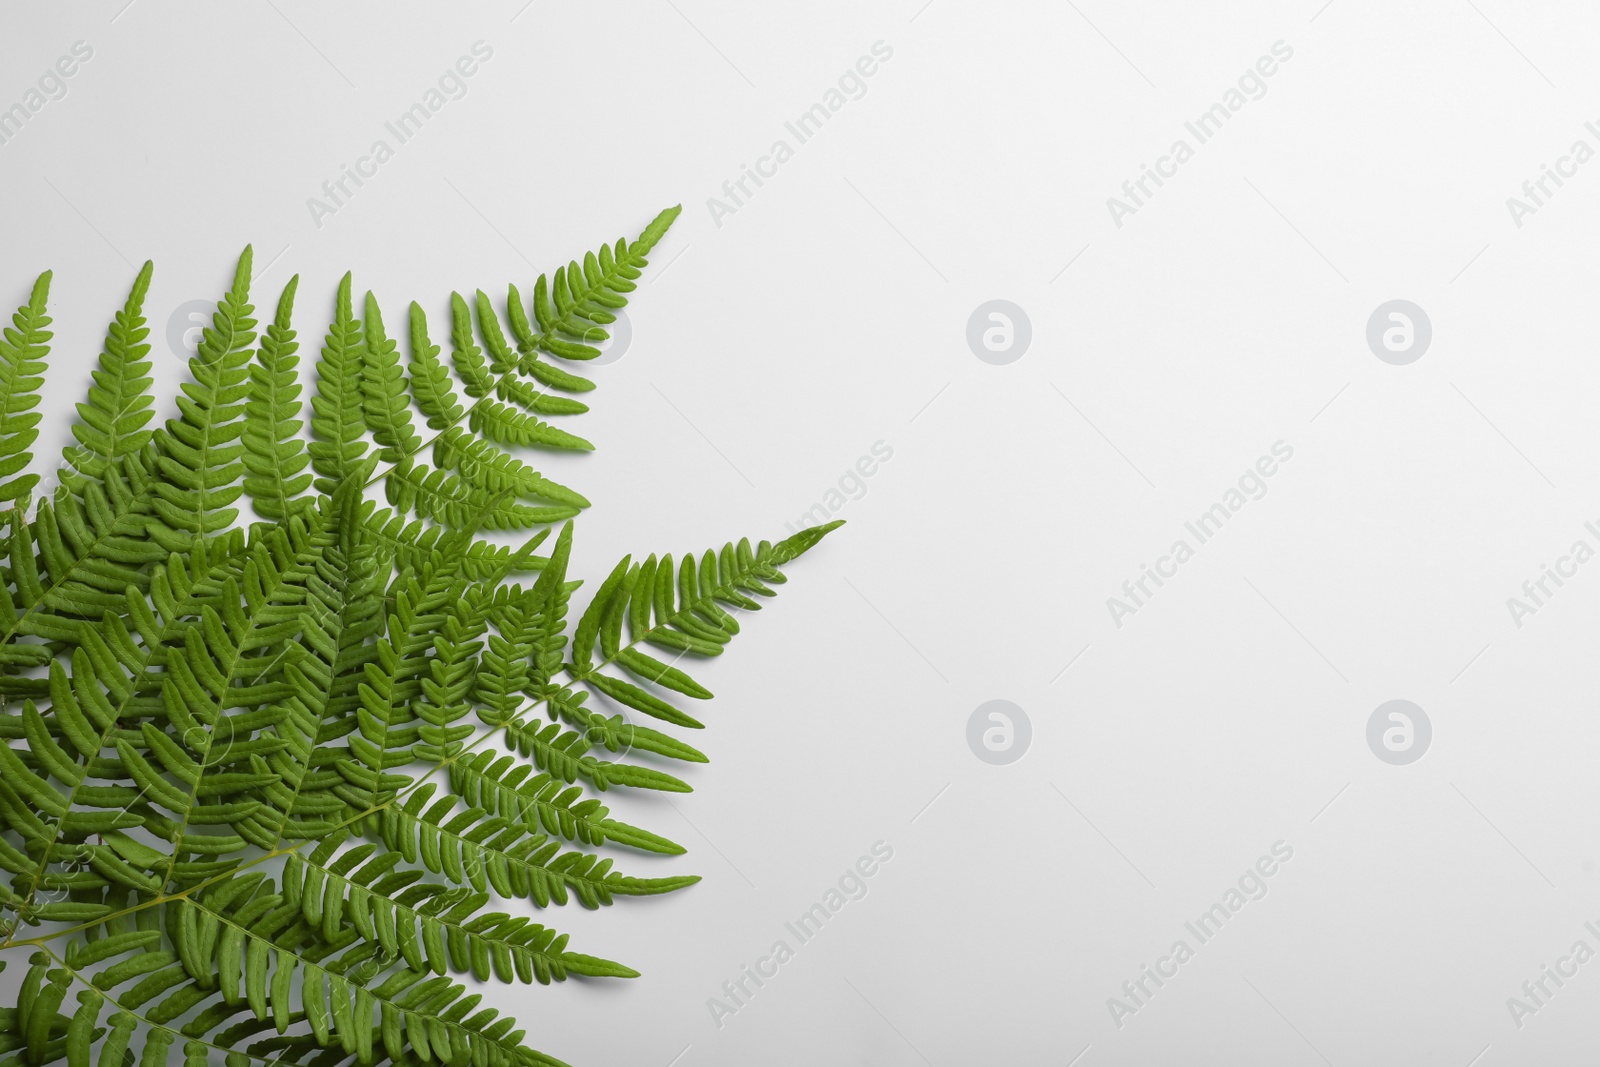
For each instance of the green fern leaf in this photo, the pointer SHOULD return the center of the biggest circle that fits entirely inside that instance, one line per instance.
(119, 401)
(274, 454)
(464, 351)
(430, 382)
(459, 504)
(199, 462)
(186, 704)
(486, 467)
(337, 423)
(505, 425)
(23, 348)
(383, 387)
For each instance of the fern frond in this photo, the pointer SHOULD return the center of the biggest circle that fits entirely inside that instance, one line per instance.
(465, 353)
(480, 464)
(414, 542)
(199, 463)
(503, 669)
(386, 736)
(473, 848)
(505, 425)
(502, 361)
(447, 685)
(501, 786)
(24, 345)
(337, 422)
(242, 949)
(564, 753)
(220, 747)
(486, 467)
(343, 610)
(551, 596)
(119, 402)
(685, 612)
(580, 303)
(428, 927)
(111, 684)
(383, 388)
(584, 299)
(430, 382)
(274, 455)
(108, 532)
(232, 660)
(488, 483)
(82, 552)
(459, 504)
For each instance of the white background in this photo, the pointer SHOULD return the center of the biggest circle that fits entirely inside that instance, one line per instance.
(828, 313)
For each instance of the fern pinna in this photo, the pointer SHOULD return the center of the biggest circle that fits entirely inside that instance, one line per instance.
(264, 784)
